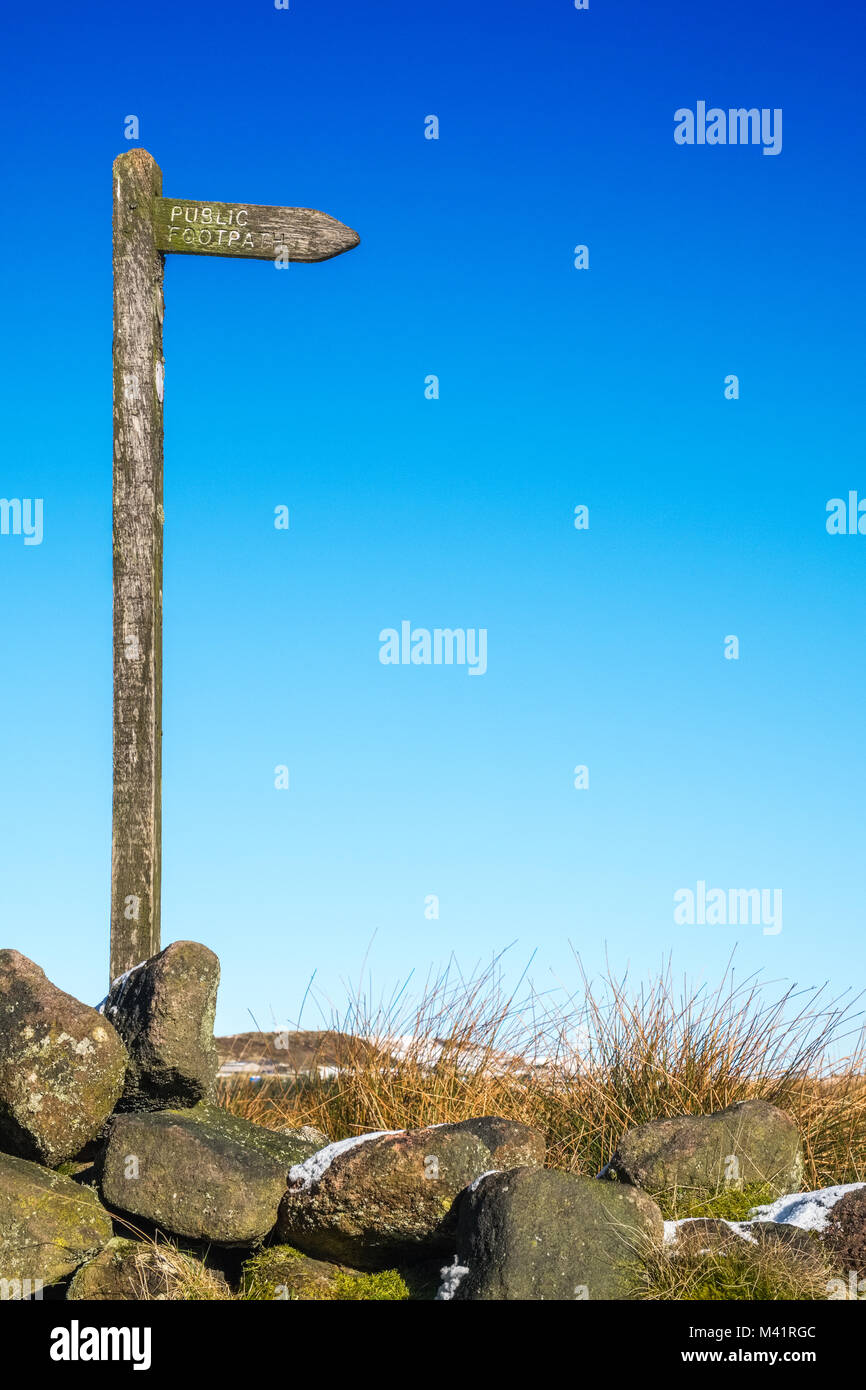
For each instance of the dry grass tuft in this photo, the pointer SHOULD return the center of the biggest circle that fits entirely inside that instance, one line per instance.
(738, 1272)
(585, 1068)
(158, 1271)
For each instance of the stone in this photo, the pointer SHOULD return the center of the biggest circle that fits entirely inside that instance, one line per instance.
(282, 1273)
(306, 1135)
(164, 1010)
(696, 1235)
(694, 1156)
(781, 1233)
(202, 1174)
(845, 1233)
(48, 1224)
(310, 1135)
(61, 1066)
(387, 1199)
(537, 1234)
(287, 1146)
(132, 1270)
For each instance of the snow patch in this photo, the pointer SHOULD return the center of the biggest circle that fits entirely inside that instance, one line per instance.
(808, 1210)
(452, 1276)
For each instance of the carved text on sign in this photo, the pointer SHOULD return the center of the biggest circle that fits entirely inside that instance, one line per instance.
(194, 227)
(216, 227)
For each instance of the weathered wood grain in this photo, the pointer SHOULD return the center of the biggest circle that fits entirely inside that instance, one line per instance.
(146, 226)
(137, 539)
(246, 230)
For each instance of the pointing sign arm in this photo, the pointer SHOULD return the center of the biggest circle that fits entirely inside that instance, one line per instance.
(248, 231)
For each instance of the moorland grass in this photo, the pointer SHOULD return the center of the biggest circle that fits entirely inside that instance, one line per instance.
(585, 1068)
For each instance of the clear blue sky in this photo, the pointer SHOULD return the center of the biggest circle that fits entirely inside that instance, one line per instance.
(305, 387)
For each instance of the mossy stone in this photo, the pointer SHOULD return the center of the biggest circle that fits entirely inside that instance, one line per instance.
(688, 1158)
(283, 1273)
(48, 1224)
(540, 1235)
(202, 1174)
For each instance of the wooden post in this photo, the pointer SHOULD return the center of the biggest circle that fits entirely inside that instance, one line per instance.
(136, 852)
(146, 226)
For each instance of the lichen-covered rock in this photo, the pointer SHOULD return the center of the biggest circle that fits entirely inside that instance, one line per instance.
(48, 1223)
(387, 1199)
(61, 1065)
(287, 1146)
(536, 1234)
(202, 1173)
(691, 1156)
(130, 1269)
(164, 1011)
(282, 1272)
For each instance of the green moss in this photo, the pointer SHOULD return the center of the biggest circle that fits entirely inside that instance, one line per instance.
(285, 1273)
(265, 1276)
(731, 1204)
(387, 1285)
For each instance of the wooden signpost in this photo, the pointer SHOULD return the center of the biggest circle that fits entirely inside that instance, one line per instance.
(146, 228)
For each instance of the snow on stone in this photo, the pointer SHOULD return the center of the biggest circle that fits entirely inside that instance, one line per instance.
(123, 981)
(481, 1176)
(808, 1210)
(305, 1175)
(451, 1276)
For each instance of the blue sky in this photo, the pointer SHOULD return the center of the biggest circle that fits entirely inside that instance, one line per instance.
(558, 387)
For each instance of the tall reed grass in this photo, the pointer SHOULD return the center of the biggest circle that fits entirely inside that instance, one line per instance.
(586, 1066)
